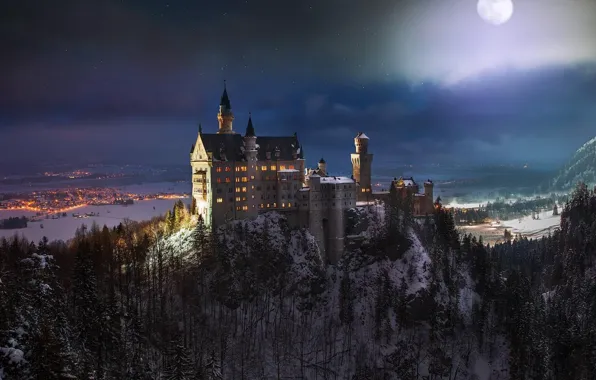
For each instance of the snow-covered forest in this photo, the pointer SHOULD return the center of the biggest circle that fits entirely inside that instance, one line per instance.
(167, 299)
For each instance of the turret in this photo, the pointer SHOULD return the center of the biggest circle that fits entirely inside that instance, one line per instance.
(225, 117)
(362, 167)
(428, 192)
(322, 167)
(361, 142)
(250, 141)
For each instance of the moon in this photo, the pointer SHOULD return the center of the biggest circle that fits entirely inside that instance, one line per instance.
(496, 12)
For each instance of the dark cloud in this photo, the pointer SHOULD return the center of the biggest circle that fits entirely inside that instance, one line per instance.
(92, 76)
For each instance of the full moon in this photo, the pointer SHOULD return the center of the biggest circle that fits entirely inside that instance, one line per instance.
(496, 12)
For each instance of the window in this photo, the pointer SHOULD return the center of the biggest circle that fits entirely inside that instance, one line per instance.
(237, 179)
(244, 179)
(283, 205)
(244, 189)
(237, 199)
(218, 170)
(237, 189)
(268, 205)
(219, 180)
(228, 180)
(252, 177)
(244, 208)
(219, 200)
(273, 167)
(230, 190)
(238, 208)
(274, 204)
(289, 205)
(282, 167)
(264, 168)
(228, 168)
(218, 190)
(262, 205)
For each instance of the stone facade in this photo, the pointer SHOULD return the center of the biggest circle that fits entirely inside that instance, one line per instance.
(238, 177)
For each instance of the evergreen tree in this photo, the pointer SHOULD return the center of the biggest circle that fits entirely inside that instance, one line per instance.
(179, 365)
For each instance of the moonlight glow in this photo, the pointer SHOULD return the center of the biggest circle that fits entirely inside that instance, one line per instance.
(496, 12)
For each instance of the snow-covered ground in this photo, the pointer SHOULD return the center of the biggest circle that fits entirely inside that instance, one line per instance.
(64, 228)
(159, 187)
(533, 227)
(526, 226)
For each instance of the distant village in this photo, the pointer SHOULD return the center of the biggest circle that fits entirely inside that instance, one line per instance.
(60, 203)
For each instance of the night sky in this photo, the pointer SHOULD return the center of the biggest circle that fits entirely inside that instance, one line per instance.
(427, 80)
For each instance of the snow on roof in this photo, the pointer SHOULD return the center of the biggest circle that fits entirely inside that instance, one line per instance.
(305, 189)
(288, 171)
(361, 135)
(336, 180)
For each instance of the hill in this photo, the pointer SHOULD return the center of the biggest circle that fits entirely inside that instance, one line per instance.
(580, 168)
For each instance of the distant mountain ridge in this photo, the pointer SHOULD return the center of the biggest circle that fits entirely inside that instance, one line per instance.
(581, 167)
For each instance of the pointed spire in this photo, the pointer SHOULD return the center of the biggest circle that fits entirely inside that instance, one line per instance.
(250, 130)
(301, 154)
(225, 100)
(200, 128)
(322, 160)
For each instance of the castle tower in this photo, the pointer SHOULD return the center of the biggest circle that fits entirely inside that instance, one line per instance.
(362, 167)
(250, 142)
(428, 196)
(322, 167)
(225, 117)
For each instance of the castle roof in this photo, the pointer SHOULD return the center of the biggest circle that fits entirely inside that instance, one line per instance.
(331, 179)
(250, 130)
(322, 161)
(232, 144)
(361, 135)
(225, 100)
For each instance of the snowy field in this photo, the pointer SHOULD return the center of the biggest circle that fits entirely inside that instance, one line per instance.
(159, 187)
(526, 226)
(65, 227)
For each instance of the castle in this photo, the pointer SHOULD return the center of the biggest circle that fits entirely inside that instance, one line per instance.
(237, 176)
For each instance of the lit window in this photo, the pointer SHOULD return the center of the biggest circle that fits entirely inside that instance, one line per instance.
(237, 179)
(264, 168)
(283, 205)
(237, 199)
(273, 167)
(289, 205)
(292, 167)
(282, 167)
(261, 205)
(238, 208)
(244, 179)
(218, 170)
(244, 208)
(244, 168)
(244, 189)
(252, 177)
(219, 200)
(228, 180)
(219, 180)
(274, 204)
(267, 205)
(228, 168)
(237, 189)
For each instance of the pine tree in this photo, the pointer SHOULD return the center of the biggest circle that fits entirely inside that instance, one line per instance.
(179, 364)
(86, 307)
(212, 369)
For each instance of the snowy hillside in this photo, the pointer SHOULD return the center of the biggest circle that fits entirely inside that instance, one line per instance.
(581, 167)
(331, 315)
